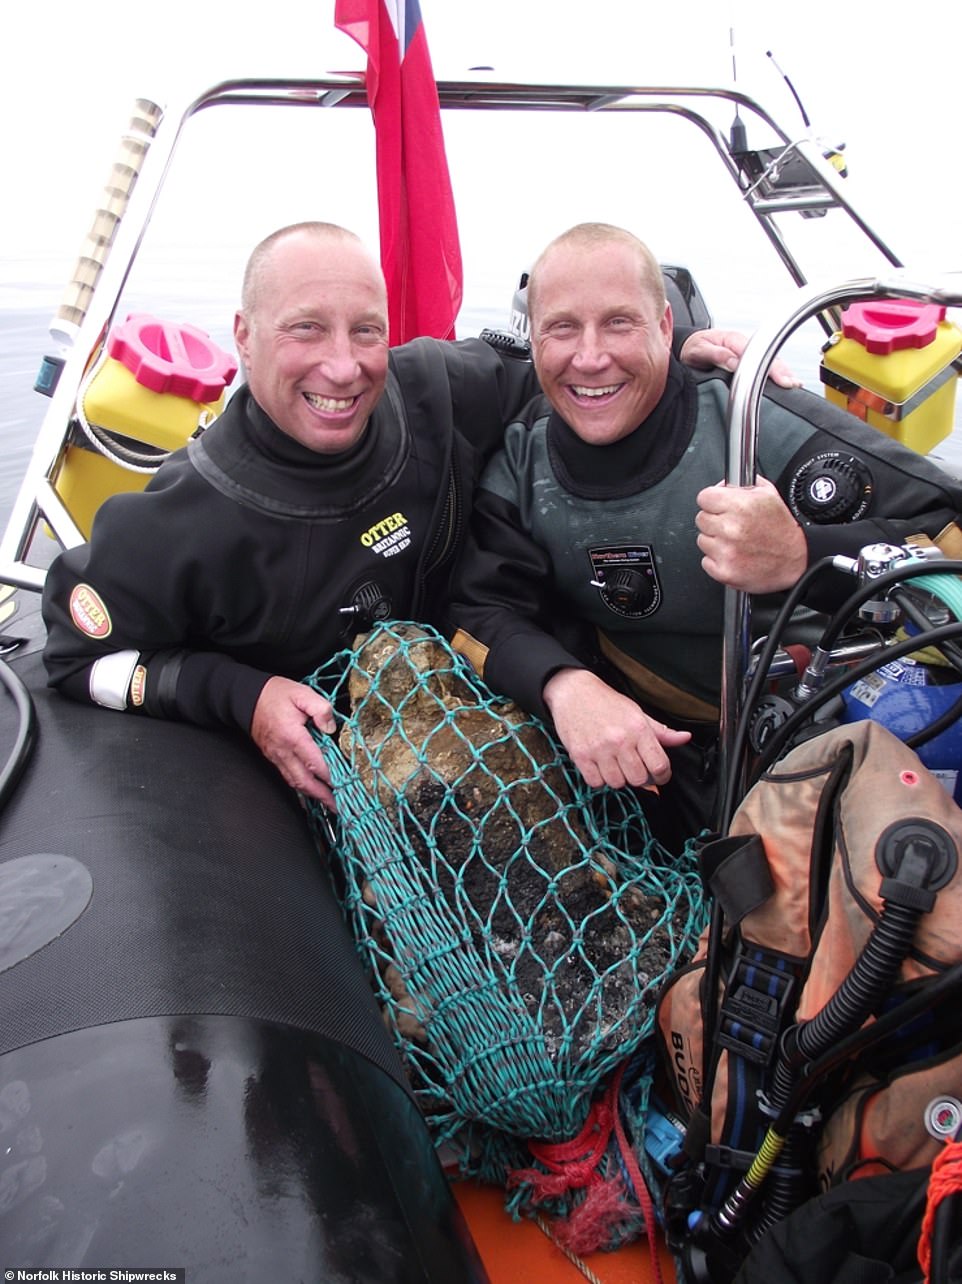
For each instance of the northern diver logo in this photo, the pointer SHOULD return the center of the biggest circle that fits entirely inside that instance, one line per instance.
(89, 613)
(388, 537)
(626, 579)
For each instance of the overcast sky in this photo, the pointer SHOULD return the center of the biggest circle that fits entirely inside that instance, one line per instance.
(885, 80)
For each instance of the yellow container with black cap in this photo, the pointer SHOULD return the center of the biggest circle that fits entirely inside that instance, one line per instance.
(894, 364)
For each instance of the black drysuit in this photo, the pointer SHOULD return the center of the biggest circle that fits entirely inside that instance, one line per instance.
(604, 536)
(249, 555)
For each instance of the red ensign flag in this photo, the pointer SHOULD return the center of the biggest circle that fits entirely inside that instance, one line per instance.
(420, 252)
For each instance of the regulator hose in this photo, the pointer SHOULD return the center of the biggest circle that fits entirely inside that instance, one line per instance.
(873, 587)
(912, 611)
(871, 978)
(762, 665)
(848, 1008)
(714, 1260)
(915, 859)
(835, 686)
(947, 587)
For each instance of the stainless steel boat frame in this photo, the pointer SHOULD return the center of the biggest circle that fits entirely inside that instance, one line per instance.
(793, 176)
(744, 405)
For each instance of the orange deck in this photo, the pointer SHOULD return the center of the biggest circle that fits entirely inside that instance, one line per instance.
(521, 1253)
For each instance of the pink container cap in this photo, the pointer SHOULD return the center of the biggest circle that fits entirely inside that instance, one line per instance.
(168, 357)
(886, 326)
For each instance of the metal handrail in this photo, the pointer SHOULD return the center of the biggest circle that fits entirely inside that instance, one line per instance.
(37, 500)
(744, 404)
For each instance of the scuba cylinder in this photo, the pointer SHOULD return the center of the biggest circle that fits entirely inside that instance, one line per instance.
(906, 694)
(921, 689)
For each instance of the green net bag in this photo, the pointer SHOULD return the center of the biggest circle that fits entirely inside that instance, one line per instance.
(516, 925)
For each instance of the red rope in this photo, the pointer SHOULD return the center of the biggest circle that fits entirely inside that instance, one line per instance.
(574, 1165)
(945, 1179)
(570, 1164)
(639, 1183)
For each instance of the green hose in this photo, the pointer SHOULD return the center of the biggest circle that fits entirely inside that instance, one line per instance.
(947, 587)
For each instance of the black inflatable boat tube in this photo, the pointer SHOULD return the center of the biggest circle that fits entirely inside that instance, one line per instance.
(193, 1071)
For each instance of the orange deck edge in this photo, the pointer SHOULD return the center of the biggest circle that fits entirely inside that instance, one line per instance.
(520, 1251)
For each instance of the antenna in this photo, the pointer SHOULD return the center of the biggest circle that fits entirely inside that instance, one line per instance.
(737, 138)
(831, 152)
(807, 122)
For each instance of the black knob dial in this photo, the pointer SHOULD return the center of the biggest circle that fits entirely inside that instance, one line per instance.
(629, 590)
(831, 488)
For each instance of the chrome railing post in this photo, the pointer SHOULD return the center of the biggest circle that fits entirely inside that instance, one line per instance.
(744, 403)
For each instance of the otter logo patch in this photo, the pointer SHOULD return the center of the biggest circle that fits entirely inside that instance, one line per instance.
(626, 578)
(388, 537)
(89, 613)
(138, 686)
